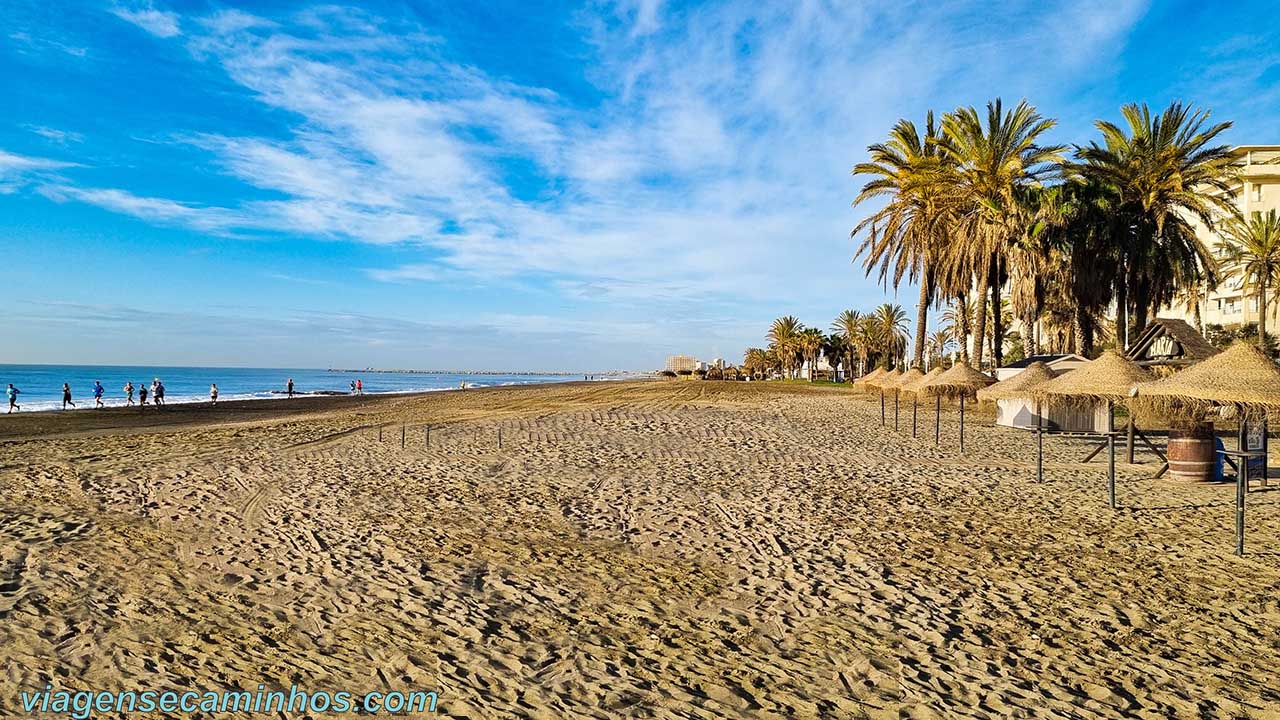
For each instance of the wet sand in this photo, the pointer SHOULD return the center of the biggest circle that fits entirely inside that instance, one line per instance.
(661, 549)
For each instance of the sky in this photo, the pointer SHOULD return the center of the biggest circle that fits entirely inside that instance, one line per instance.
(513, 186)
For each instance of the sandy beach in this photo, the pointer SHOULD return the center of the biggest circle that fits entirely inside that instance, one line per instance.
(649, 549)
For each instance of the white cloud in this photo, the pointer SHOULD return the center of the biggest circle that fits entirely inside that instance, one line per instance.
(712, 169)
(143, 13)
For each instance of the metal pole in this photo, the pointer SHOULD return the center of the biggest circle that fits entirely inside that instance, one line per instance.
(1039, 445)
(937, 420)
(1129, 451)
(1242, 483)
(1111, 469)
(962, 424)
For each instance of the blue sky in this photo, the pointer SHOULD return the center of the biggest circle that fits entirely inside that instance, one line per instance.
(511, 185)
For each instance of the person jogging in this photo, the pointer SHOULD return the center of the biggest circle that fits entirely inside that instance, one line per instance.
(213, 393)
(66, 396)
(142, 395)
(97, 394)
(13, 398)
(128, 392)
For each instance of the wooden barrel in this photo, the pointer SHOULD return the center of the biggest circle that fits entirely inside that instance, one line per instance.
(1191, 452)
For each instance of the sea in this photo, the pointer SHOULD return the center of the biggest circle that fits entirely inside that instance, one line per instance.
(41, 385)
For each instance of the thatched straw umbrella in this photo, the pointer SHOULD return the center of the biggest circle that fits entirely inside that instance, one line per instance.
(905, 378)
(886, 380)
(912, 388)
(1108, 379)
(961, 381)
(1241, 378)
(1020, 386)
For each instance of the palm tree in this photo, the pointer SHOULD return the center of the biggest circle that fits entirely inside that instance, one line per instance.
(783, 337)
(1165, 173)
(810, 344)
(867, 341)
(891, 332)
(994, 161)
(1251, 252)
(846, 325)
(939, 342)
(958, 316)
(836, 350)
(755, 363)
(904, 236)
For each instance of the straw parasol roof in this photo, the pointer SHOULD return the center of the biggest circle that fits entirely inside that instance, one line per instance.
(885, 381)
(1109, 378)
(905, 379)
(869, 377)
(1242, 377)
(912, 387)
(1018, 386)
(960, 381)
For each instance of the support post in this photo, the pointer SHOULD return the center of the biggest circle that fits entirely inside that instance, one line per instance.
(962, 424)
(402, 431)
(1039, 445)
(1242, 484)
(882, 408)
(895, 412)
(379, 433)
(915, 403)
(937, 420)
(1129, 449)
(1111, 469)
(428, 436)
(499, 437)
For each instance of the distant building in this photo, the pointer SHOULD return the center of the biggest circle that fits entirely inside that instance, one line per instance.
(1258, 190)
(1059, 363)
(676, 363)
(717, 363)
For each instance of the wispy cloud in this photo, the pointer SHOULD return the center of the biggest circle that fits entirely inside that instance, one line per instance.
(712, 169)
(144, 14)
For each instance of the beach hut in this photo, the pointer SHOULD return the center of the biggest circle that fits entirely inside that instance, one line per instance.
(1099, 384)
(912, 388)
(1243, 381)
(1169, 342)
(905, 378)
(962, 382)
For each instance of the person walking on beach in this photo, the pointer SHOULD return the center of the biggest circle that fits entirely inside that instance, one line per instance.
(353, 387)
(142, 396)
(128, 391)
(288, 387)
(213, 393)
(157, 392)
(97, 394)
(13, 398)
(359, 386)
(66, 396)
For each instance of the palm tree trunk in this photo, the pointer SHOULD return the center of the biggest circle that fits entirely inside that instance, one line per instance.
(922, 318)
(997, 325)
(962, 311)
(1262, 316)
(980, 320)
(1122, 307)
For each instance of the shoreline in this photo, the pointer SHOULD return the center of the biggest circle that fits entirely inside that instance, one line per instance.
(26, 425)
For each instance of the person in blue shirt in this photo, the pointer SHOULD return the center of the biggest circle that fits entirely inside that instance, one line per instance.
(13, 398)
(97, 393)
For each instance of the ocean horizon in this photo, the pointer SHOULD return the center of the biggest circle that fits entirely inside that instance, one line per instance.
(41, 385)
